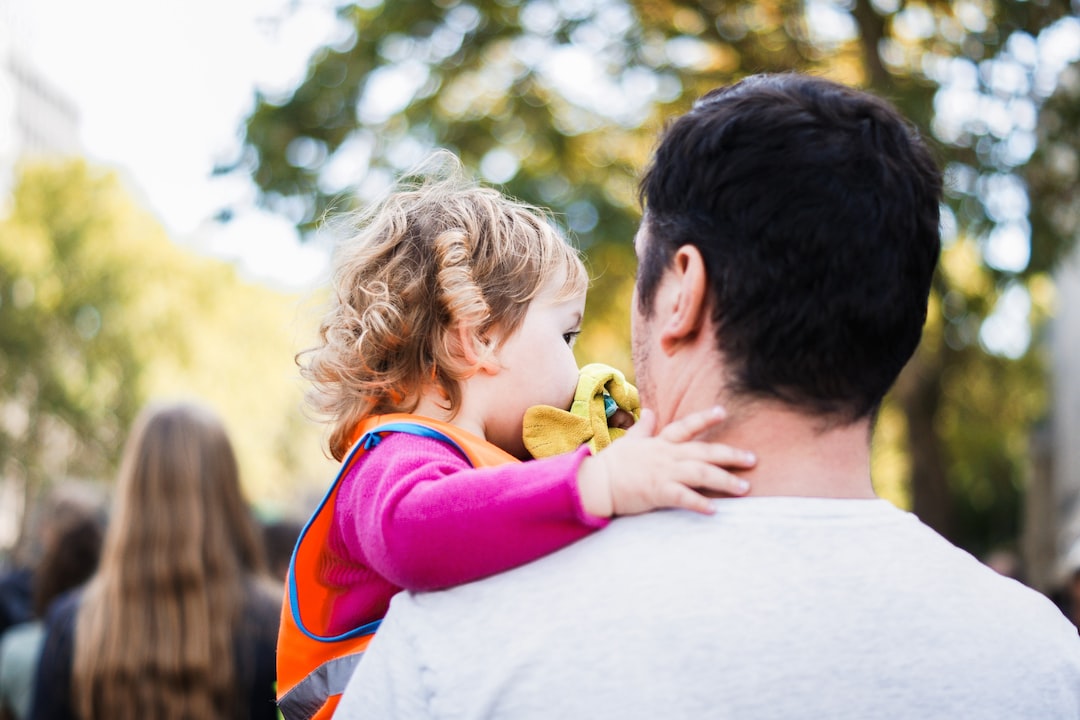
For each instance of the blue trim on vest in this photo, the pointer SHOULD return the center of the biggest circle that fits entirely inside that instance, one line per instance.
(366, 442)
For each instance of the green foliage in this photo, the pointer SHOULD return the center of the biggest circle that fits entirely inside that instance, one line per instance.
(101, 312)
(560, 103)
(71, 366)
(1054, 170)
(986, 404)
(238, 340)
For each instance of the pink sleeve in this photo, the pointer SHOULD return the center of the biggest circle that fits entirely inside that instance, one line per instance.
(421, 516)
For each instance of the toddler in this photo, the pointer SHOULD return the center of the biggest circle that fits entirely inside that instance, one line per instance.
(454, 311)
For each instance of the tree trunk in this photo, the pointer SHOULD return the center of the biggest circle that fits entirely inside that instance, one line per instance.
(919, 392)
(27, 545)
(871, 31)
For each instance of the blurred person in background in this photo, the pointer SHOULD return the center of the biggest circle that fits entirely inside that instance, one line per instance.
(15, 593)
(60, 508)
(1006, 561)
(71, 557)
(279, 538)
(1066, 592)
(180, 620)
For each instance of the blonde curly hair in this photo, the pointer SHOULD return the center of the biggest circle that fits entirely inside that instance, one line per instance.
(439, 255)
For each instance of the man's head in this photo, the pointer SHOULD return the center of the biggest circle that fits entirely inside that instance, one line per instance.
(814, 208)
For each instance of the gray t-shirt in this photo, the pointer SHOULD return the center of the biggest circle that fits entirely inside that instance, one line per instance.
(771, 608)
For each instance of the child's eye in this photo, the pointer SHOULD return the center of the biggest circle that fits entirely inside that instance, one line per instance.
(570, 337)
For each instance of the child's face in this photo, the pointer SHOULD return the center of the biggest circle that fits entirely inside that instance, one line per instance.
(536, 367)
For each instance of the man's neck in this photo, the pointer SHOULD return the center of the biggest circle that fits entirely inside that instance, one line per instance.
(800, 455)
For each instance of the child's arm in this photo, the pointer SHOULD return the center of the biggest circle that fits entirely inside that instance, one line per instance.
(421, 516)
(642, 472)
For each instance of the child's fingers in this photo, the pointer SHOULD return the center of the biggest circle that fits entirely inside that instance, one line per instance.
(708, 453)
(684, 497)
(717, 480)
(645, 425)
(621, 419)
(692, 425)
(718, 454)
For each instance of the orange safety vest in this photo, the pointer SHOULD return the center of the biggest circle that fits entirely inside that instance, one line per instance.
(312, 666)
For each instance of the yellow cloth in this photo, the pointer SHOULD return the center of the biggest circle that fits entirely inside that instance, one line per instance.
(551, 431)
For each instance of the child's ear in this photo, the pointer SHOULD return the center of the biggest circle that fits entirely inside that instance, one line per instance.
(476, 350)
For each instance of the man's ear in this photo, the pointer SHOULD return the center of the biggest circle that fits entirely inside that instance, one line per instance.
(690, 285)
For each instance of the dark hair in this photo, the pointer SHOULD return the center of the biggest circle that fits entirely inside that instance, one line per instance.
(279, 539)
(69, 560)
(816, 209)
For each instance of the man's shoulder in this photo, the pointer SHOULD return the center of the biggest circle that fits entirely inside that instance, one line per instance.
(578, 564)
(870, 606)
(754, 550)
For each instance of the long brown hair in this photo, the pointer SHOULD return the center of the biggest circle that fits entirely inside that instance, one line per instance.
(155, 630)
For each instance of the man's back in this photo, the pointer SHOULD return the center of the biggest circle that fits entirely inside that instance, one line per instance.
(772, 608)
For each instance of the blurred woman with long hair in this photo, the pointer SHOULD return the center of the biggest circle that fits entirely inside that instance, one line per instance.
(72, 547)
(180, 620)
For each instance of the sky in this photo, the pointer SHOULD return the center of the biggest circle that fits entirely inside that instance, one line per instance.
(162, 90)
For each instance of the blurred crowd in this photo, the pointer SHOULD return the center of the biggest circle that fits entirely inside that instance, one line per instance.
(165, 604)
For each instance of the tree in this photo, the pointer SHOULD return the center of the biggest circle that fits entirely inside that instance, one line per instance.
(559, 101)
(1054, 169)
(71, 361)
(101, 312)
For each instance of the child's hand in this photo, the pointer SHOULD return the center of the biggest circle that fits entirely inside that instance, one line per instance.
(621, 419)
(641, 471)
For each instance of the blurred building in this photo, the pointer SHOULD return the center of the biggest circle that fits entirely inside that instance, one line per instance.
(36, 117)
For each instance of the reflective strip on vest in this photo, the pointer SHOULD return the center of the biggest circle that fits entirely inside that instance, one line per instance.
(305, 698)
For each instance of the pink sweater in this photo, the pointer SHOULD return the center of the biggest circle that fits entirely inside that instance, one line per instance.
(412, 513)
